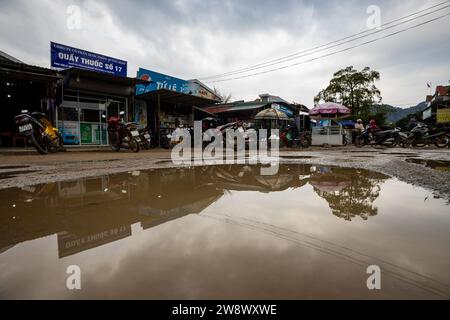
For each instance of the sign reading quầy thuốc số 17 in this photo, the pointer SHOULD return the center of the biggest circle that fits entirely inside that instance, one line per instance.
(63, 57)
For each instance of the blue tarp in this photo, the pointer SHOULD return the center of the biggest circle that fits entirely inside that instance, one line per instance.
(347, 123)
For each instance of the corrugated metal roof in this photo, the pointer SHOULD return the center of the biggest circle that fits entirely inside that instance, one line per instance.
(5, 56)
(235, 107)
(173, 97)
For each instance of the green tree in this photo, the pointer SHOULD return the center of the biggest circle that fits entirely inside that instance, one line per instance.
(357, 198)
(354, 89)
(404, 122)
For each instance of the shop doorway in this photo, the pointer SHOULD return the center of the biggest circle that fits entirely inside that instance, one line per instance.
(81, 118)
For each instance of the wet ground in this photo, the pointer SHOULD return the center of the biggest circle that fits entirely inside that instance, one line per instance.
(226, 232)
(441, 165)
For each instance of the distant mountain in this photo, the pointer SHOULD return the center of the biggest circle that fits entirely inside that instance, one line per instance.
(394, 114)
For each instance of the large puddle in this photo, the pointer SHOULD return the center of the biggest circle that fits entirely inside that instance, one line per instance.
(225, 232)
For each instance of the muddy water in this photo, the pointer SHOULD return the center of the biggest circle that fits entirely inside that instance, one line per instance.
(225, 232)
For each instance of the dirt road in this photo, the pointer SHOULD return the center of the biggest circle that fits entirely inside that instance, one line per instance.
(415, 166)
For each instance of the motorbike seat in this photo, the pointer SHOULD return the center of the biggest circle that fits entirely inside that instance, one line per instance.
(114, 120)
(38, 115)
(380, 133)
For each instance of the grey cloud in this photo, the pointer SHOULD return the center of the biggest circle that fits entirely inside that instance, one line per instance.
(200, 38)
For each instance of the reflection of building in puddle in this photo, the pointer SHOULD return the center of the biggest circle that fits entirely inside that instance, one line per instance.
(157, 216)
(349, 192)
(248, 178)
(91, 212)
(69, 244)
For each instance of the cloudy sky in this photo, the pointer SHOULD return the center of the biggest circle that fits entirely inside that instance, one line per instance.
(198, 39)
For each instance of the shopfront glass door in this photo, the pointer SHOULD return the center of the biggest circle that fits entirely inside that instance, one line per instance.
(82, 118)
(90, 123)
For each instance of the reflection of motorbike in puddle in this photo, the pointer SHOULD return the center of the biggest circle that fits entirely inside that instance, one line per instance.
(245, 177)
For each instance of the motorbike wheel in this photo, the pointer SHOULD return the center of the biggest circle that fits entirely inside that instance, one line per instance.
(165, 143)
(35, 142)
(146, 144)
(403, 144)
(442, 142)
(304, 142)
(57, 144)
(134, 145)
(390, 144)
(419, 144)
(61, 147)
(359, 142)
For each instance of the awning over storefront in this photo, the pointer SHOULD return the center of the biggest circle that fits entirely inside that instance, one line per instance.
(233, 107)
(98, 82)
(82, 73)
(175, 98)
(22, 71)
(247, 106)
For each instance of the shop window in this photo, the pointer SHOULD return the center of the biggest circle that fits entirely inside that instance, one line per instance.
(88, 115)
(67, 114)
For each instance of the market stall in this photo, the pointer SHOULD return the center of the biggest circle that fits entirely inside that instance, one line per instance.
(329, 131)
(272, 119)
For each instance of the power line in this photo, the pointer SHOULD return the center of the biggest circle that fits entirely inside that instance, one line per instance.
(339, 44)
(286, 58)
(334, 53)
(333, 44)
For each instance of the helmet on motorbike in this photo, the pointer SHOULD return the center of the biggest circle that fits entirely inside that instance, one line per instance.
(359, 121)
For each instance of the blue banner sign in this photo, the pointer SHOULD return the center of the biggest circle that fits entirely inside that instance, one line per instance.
(284, 109)
(63, 57)
(162, 81)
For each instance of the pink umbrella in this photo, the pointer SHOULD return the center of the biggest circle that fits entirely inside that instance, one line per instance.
(330, 109)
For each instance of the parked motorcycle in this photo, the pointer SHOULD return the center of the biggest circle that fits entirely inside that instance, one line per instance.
(421, 135)
(145, 136)
(402, 138)
(166, 138)
(39, 130)
(123, 135)
(387, 138)
(289, 138)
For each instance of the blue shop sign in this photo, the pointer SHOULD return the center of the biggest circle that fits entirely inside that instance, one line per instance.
(162, 81)
(284, 109)
(63, 57)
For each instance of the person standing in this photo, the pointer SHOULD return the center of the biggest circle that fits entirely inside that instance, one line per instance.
(359, 128)
(373, 126)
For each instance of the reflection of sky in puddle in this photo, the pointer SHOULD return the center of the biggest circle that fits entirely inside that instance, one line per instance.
(223, 233)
